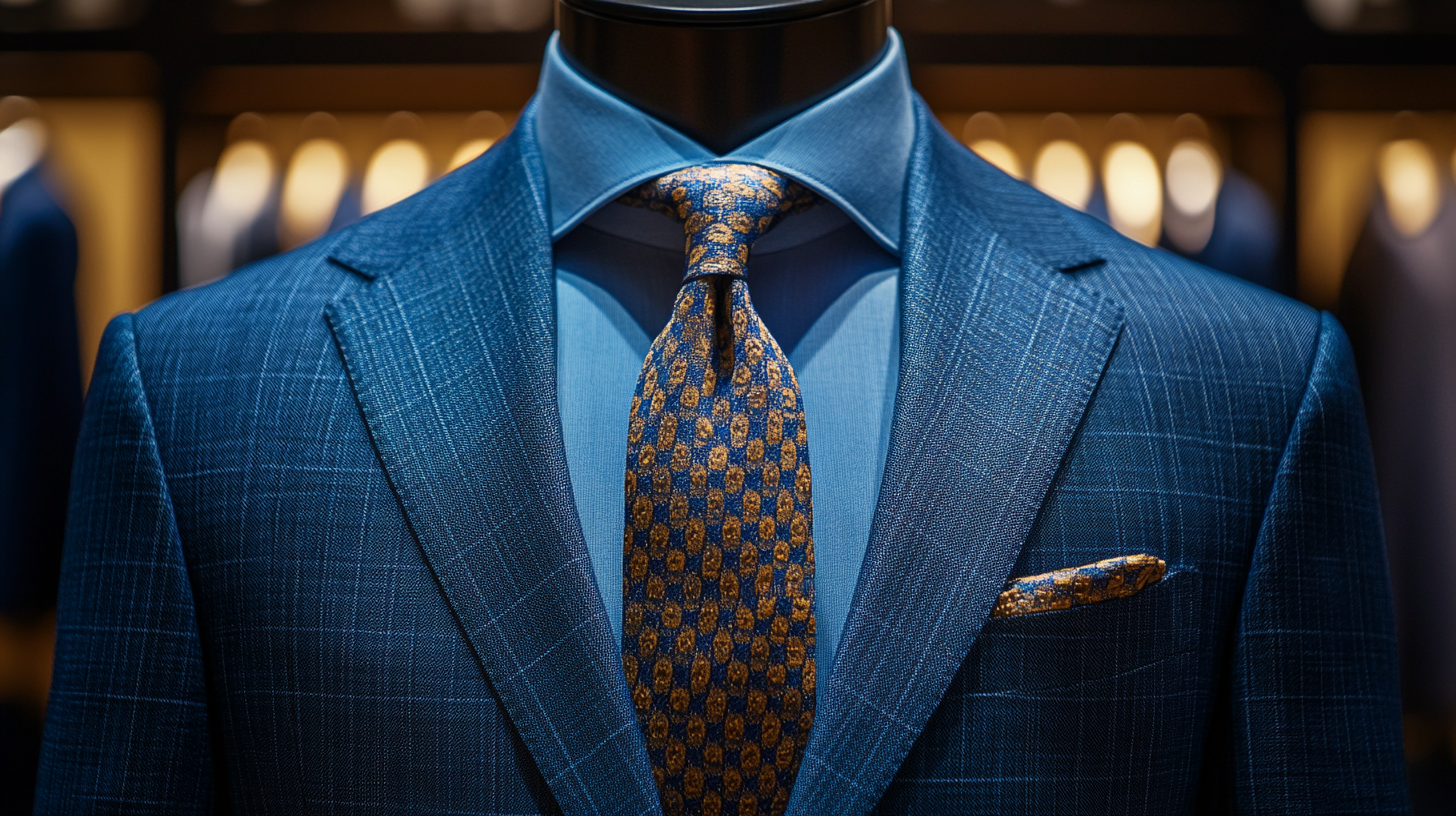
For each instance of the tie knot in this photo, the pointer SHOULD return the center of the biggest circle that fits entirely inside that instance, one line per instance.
(724, 208)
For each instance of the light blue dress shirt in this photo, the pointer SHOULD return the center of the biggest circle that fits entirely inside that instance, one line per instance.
(825, 283)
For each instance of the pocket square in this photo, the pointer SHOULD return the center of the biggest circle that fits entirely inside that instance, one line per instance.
(1079, 586)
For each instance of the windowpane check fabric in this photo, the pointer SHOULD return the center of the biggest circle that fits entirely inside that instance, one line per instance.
(718, 589)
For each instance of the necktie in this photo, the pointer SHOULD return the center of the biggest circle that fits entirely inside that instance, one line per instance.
(718, 558)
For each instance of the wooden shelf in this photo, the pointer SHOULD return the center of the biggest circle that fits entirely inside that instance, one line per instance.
(1269, 49)
(229, 89)
(1260, 64)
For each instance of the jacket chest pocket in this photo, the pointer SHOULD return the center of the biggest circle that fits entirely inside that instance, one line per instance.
(1071, 647)
(1092, 709)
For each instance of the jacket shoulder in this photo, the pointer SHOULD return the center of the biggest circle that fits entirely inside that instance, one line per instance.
(1165, 298)
(277, 304)
(1210, 315)
(229, 317)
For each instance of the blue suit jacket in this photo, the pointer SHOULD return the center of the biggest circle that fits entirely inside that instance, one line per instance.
(324, 555)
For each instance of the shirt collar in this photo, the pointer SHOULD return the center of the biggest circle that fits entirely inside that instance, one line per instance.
(852, 148)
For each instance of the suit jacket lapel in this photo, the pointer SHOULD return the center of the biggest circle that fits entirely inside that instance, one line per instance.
(1000, 354)
(451, 352)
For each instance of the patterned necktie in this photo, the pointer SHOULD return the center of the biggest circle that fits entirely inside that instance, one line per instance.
(718, 561)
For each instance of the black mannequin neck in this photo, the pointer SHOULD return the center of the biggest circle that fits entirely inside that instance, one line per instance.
(722, 75)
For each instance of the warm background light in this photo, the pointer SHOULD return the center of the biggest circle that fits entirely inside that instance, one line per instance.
(1334, 14)
(92, 13)
(1134, 191)
(21, 146)
(399, 169)
(482, 129)
(428, 12)
(240, 188)
(478, 15)
(985, 134)
(507, 15)
(469, 152)
(317, 177)
(999, 155)
(1064, 172)
(1194, 176)
(1411, 185)
(105, 157)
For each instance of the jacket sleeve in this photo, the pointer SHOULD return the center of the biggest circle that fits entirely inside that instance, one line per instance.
(1313, 700)
(127, 726)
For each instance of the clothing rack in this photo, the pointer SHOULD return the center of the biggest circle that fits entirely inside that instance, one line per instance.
(169, 52)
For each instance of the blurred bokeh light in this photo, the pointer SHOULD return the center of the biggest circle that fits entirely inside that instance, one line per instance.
(245, 175)
(1411, 184)
(1194, 175)
(317, 177)
(999, 154)
(985, 134)
(399, 169)
(21, 146)
(1134, 191)
(1064, 172)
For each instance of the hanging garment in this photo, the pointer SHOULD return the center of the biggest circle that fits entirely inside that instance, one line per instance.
(1245, 240)
(350, 206)
(213, 241)
(1399, 302)
(40, 390)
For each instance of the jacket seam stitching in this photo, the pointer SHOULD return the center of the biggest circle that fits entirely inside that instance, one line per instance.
(1319, 340)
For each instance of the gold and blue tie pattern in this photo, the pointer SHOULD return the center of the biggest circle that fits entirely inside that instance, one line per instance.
(718, 553)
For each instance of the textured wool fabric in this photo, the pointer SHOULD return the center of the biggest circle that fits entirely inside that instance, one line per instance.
(322, 552)
(718, 586)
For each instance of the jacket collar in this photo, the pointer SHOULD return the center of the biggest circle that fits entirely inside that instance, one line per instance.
(449, 346)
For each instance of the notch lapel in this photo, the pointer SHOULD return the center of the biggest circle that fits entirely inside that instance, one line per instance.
(451, 353)
(1000, 355)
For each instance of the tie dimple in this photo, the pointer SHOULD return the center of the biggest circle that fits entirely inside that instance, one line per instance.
(718, 553)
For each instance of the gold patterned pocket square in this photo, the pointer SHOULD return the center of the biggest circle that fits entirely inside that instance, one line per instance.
(1079, 586)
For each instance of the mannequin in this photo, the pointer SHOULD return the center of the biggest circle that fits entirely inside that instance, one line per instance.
(728, 70)
(40, 413)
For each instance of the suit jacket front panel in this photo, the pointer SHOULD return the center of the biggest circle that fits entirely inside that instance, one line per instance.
(353, 652)
(1226, 438)
(339, 679)
(1104, 708)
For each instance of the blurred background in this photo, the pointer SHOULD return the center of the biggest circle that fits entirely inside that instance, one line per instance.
(1308, 146)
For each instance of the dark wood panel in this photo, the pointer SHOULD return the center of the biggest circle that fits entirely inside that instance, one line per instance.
(103, 73)
(1098, 88)
(233, 89)
(1377, 87)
